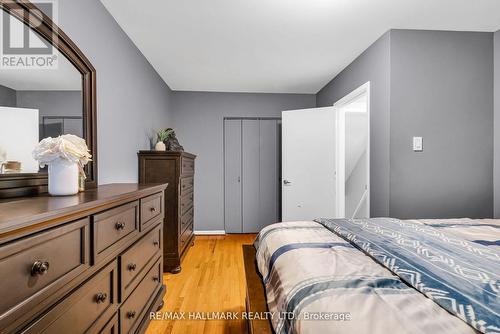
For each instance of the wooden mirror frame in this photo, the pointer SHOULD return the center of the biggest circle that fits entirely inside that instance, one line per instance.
(15, 185)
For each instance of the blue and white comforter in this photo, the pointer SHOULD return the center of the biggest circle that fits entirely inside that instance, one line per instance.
(382, 276)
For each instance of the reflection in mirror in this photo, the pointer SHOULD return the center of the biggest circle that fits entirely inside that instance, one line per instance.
(36, 103)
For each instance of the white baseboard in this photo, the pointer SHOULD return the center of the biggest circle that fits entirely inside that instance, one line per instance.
(211, 232)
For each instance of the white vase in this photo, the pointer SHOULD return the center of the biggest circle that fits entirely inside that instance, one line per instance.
(160, 146)
(63, 178)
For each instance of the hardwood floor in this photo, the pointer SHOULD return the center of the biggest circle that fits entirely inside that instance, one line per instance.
(212, 280)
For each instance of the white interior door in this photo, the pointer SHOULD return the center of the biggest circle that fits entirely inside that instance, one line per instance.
(19, 136)
(308, 164)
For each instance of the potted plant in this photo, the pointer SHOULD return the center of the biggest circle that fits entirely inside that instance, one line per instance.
(162, 135)
(66, 156)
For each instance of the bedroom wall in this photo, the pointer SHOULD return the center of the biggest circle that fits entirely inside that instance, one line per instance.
(496, 173)
(51, 103)
(132, 99)
(372, 65)
(438, 85)
(198, 120)
(442, 90)
(7, 97)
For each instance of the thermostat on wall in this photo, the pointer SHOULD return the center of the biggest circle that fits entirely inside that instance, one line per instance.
(418, 144)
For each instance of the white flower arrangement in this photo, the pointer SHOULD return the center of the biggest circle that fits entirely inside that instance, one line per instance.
(65, 148)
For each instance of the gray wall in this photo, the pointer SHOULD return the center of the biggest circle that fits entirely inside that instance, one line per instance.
(7, 97)
(51, 103)
(438, 85)
(54, 103)
(441, 89)
(374, 66)
(198, 119)
(131, 97)
(496, 171)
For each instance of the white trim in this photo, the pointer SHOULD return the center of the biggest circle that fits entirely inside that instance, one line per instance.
(340, 165)
(363, 198)
(365, 88)
(210, 232)
(340, 127)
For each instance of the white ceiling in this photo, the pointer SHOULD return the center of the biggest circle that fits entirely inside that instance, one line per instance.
(277, 46)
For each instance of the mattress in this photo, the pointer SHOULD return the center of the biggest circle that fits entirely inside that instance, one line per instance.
(381, 275)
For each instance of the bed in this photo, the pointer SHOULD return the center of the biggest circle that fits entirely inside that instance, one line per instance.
(378, 275)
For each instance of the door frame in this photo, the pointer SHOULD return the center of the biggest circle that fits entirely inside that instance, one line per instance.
(242, 118)
(340, 142)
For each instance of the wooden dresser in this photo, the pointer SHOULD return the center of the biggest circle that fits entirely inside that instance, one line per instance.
(89, 263)
(176, 169)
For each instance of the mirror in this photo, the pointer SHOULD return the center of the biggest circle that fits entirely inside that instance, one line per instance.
(35, 102)
(47, 88)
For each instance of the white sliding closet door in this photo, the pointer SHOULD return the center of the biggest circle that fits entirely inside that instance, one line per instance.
(251, 174)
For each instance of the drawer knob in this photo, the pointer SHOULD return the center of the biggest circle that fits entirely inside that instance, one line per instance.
(131, 314)
(120, 226)
(132, 266)
(156, 279)
(152, 209)
(156, 243)
(39, 268)
(101, 297)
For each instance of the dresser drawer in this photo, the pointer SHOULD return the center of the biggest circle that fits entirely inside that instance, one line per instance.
(187, 185)
(113, 228)
(111, 327)
(86, 310)
(186, 237)
(187, 166)
(187, 219)
(140, 299)
(133, 261)
(35, 268)
(186, 203)
(151, 208)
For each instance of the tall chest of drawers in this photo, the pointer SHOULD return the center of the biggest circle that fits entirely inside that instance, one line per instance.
(89, 263)
(177, 169)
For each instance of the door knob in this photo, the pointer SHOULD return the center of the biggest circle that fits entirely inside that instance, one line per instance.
(286, 182)
(101, 297)
(39, 268)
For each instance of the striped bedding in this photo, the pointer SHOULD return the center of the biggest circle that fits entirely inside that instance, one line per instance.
(382, 276)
